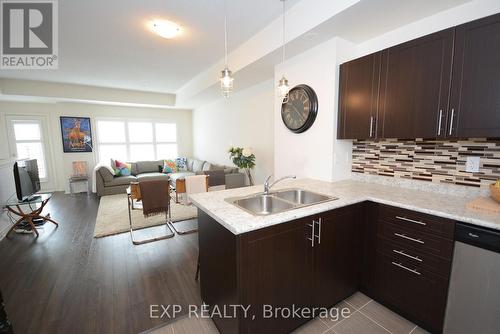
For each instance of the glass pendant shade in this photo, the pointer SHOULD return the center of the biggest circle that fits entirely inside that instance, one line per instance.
(226, 82)
(283, 89)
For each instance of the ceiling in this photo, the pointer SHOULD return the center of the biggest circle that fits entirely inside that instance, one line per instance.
(107, 43)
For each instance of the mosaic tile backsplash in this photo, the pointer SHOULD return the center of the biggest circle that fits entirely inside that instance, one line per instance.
(429, 160)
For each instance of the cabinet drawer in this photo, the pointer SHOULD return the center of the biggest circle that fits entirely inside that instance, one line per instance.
(416, 259)
(418, 294)
(419, 241)
(418, 221)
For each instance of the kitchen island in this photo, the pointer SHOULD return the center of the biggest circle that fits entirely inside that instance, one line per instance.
(313, 257)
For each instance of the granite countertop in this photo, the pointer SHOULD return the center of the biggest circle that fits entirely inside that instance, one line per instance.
(348, 192)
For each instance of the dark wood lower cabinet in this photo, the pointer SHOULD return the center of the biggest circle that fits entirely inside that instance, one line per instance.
(317, 261)
(276, 270)
(419, 295)
(336, 257)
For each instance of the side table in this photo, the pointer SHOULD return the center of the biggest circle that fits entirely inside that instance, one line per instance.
(14, 206)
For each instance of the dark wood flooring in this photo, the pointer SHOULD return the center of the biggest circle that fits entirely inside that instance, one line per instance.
(66, 281)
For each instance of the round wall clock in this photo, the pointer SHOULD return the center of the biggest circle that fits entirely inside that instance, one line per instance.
(299, 112)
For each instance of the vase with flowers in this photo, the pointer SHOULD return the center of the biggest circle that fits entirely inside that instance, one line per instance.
(244, 159)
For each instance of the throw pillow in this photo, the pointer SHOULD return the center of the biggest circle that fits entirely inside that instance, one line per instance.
(169, 166)
(181, 163)
(122, 168)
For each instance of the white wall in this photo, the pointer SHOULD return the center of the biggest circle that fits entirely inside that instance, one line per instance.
(315, 153)
(467, 12)
(245, 119)
(60, 164)
(7, 189)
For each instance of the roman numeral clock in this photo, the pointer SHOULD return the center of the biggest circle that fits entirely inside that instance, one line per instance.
(299, 112)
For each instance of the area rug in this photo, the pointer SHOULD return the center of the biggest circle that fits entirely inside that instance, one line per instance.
(112, 216)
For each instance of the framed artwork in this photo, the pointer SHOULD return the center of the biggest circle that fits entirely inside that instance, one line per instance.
(76, 134)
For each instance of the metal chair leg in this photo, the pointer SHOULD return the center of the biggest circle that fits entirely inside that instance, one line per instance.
(173, 226)
(145, 241)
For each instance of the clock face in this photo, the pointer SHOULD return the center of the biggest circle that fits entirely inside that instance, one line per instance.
(299, 112)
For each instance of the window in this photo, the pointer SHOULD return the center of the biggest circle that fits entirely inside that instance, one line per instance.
(136, 140)
(28, 142)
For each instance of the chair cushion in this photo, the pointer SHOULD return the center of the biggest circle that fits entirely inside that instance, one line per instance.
(189, 164)
(134, 168)
(152, 176)
(180, 175)
(106, 174)
(207, 166)
(216, 178)
(121, 180)
(198, 165)
(148, 166)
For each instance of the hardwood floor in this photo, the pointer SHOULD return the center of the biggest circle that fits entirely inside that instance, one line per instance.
(68, 281)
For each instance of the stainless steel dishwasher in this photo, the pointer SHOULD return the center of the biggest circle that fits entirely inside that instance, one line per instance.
(474, 294)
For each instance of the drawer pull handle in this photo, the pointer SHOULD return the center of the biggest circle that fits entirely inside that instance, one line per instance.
(400, 252)
(411, 220)
(408, 238)
(472, 235)
(406, 268)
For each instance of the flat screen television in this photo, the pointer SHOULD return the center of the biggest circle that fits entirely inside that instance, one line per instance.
(26, 178)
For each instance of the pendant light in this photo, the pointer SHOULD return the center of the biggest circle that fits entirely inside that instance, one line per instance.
(226, 79)
(283, 86)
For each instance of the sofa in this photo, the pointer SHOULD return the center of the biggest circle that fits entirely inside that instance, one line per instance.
(109, 184)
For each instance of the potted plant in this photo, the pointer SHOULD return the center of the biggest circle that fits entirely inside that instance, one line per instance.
(244, 159)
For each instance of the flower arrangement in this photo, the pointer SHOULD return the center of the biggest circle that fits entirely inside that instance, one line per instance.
(244, 159)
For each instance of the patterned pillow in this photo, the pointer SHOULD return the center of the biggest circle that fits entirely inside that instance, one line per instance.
(169, 166)
(122, 168)
(181, 163)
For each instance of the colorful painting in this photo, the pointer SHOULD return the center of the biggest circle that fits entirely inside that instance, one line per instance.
(76, 134)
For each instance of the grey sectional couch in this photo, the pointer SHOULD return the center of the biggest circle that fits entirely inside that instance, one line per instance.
(108, 184)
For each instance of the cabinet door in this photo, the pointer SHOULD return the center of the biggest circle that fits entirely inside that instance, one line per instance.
(359, 82)
(336, 264)
(414, 88)
(278, 274)
(475, 102)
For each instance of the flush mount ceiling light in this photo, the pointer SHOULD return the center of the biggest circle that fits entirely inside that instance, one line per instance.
(166, 29)
(283, 86)
(226, 79)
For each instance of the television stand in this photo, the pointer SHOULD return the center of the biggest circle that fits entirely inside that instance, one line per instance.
(14, 206)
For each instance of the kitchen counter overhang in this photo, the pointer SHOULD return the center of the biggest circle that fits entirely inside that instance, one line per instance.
(348, 192)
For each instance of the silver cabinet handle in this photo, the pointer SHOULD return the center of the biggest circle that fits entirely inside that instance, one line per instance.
(371, 126)
(411, 220)
(472, 235)
(440, 121)
(404, 236)
(451, 120)
(400, 252)
(319, 231)
(406, 268)
(312, 233)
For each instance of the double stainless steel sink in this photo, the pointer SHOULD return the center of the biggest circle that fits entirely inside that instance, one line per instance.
(262, 204)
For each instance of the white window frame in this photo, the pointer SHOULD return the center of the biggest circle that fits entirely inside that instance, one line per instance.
(13, 119)
(127, 142)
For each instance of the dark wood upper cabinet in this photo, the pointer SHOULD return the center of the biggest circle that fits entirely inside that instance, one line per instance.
(414, 87)
(475, 98)
(358, 100)
(443, 85)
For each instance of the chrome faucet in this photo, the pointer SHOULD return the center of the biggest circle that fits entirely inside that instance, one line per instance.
(268, 186)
